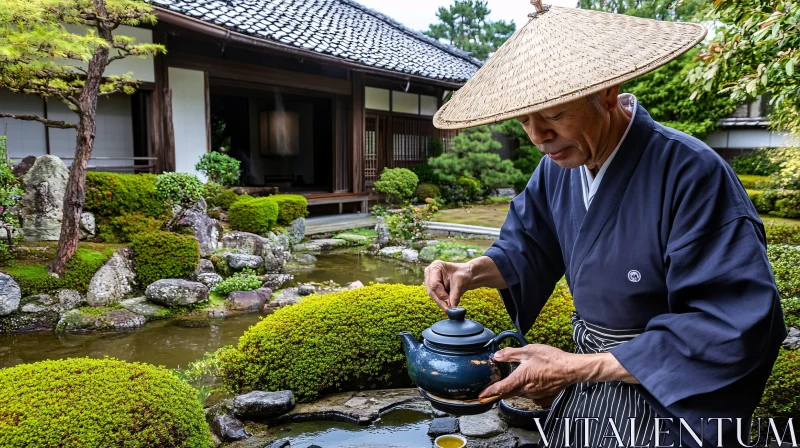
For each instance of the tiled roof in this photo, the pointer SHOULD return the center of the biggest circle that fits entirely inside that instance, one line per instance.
(339, 28)
(744, 122)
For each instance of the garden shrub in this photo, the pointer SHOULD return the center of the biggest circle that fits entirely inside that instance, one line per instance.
(219, 168)
(159, 255)
(750, 181)
(349, 340)
(436, 147)
(120, 229)
(425, 174)
(409, 223)
(783, 234)
(787, 204)
(88, 403)
(254, 215)
(180, 191)
(397, 183)
(224, 199)
(290, 207)
(472, 187)
(785, 261)
(756, 163)
(791, 311)
(425, 191)
(781, 398)
(210, 190)
(10, 195)
(246, 280)
(34, 279)
(115, 194)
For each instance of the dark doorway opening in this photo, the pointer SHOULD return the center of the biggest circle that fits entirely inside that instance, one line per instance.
(282, 139)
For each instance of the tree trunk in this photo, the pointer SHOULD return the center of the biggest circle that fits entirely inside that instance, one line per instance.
(76, 183)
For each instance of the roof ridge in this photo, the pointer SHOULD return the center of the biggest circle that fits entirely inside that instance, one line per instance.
(416, 34)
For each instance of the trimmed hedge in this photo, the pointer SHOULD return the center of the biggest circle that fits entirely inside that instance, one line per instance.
(781, 398)
(425, 191)
(115, 194)
(349, 340)
(783, 203)
(785, 261)
(34, 279)
(254, 215)
(82, 402)
(397, 183)
(224, 199)
(783, 234)
(159, 255)
(754, 182)
(290, 207)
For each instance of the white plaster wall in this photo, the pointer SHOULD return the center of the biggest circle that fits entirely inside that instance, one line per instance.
(24, 138)
(139, 68)
(113, 138)
(750, 138)
(376, 99)
(188, 118)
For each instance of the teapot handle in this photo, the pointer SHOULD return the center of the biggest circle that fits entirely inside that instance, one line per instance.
(495, 343)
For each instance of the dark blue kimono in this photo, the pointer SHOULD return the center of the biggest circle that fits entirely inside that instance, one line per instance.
(671, 244)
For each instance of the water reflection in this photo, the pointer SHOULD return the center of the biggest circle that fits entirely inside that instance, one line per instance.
(402, 428)
(175, 343)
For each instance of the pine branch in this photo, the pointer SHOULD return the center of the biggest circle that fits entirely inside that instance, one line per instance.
(45, 121)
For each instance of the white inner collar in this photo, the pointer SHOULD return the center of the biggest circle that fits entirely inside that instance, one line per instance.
(590, 183)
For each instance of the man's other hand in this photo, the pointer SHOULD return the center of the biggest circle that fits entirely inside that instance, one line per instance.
(447, 282)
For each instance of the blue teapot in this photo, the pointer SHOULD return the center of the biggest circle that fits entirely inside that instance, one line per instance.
(454, 361)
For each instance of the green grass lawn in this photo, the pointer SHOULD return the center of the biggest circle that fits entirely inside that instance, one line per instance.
(478, 215)
(769, 219)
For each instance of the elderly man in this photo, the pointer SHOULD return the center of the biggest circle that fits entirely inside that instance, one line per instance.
(678, 320)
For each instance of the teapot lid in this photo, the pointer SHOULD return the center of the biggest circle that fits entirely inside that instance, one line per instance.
(457, 331)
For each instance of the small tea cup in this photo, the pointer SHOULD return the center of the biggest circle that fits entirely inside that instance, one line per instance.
(450, 441)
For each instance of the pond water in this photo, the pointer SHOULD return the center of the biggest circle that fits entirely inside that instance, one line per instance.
(400, 428)
(177, 342)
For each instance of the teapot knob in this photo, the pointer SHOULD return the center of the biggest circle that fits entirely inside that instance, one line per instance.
(456, 313)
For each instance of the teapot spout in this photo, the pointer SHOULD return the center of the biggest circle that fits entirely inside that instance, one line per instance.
(411, 345)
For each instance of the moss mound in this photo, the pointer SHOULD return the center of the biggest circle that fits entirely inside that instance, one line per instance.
(290, 207)
(34, 279)
(115, 194)
(349, 340)
(88, 403)
(159, 255)
(781, 398)
(254, 215)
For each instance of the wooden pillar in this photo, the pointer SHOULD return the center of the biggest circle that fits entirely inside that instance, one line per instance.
(162, 137)
(358, 132)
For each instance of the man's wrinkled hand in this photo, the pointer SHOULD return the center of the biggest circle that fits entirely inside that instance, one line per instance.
(543, 372)
(447, 282)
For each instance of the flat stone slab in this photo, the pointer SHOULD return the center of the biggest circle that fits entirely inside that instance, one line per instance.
(140, 305)
(442, 426)
(320, 245)
(483, 425)
(391, 251)
(263, 405)
(358, 407)
(353, 238)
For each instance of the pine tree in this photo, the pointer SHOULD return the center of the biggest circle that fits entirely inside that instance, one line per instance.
(39, 55)
(466, 25)
(474, 156)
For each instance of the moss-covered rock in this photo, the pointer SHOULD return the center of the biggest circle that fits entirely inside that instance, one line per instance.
(349, 340)
(160, 255)
(20, 322)
(99, 319)
(93, 403)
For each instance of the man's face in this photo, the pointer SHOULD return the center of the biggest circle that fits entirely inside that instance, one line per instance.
(571, 134)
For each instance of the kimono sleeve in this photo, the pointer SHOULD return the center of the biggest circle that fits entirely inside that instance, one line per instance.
(725, 319)
(528, 254)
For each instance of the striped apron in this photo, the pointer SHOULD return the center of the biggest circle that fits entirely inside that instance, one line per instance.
(616, 400)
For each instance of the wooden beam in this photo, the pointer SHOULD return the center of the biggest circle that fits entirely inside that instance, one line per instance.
(169, 133)
(158, 111)
(255, 73)
(358, 132)
(207, 98)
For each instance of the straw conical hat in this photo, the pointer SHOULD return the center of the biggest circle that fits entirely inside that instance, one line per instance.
(562, 54)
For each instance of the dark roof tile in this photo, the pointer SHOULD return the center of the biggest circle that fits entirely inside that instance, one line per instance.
(343, 28)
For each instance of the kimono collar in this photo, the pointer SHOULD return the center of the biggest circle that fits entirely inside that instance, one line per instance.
(610, 192)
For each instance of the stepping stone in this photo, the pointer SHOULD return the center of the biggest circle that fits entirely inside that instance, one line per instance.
(263, 405)
(483, 425)
(352, 238)
(443, 426)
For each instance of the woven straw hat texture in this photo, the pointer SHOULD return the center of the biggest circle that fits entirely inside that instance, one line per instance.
(562, 54)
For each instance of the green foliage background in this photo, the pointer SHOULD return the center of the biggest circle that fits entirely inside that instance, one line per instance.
(159, 255)
(94, 403)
